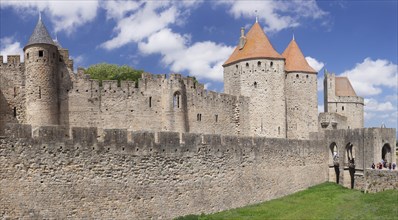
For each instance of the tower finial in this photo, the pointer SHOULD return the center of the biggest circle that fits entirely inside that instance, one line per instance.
(293, 36)
(40, 15)
(256, 16)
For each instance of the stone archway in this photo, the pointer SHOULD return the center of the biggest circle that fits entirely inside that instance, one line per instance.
(386, 155)
(334, 163)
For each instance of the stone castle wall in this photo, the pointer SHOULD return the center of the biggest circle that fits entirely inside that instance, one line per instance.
(364, 145)
(140, 175)
(156, 103)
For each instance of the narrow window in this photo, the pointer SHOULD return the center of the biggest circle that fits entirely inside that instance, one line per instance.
(176, 100)
(255, 84)
(216, 116)
(272, 64)
(61, 58)
(279, 130)
(150, 102)
(15, 92)
(15, 112)
(27, 56)
(41, 53)
(199, 117)
(39, 92)
(297, 76)
(342, 108)
(247, 65)
(258, 63)
(236, 67)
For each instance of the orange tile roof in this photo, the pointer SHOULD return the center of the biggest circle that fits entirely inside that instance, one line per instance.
(295, 61)
(257, 46)
(343, 87)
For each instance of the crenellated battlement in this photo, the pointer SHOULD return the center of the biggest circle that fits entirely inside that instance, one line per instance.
(12, 61)
(124, 141)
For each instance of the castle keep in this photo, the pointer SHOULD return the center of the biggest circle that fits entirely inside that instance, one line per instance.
(165, 146)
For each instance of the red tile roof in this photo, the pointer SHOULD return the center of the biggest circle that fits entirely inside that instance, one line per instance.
(343, 87)
(257, 46)
(295, 61)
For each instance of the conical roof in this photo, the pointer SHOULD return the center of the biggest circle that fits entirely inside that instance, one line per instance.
(295, 61)
(40, 35)
(257, 46)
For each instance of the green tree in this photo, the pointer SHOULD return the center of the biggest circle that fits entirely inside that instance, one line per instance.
(106, 71)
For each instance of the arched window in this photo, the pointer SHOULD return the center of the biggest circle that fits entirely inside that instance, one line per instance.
(272, 64)
(297, 76)
(258, 63)
(247, 65)
(255, 84)
(177, 100)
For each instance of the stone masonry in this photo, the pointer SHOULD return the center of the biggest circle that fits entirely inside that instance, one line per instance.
(164, 146)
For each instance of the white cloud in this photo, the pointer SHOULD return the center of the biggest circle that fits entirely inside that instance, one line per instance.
(152, 17)
(153, 33)
(65, 15)
(370, 76)
(321, 108)
(118, 9)
(8, 46)
(374, 106)
(314, 63)
(276, 15)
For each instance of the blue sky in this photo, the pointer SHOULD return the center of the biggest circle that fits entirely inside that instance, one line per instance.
(357, 39)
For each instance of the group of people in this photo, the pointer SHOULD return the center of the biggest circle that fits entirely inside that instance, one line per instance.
(384, 164)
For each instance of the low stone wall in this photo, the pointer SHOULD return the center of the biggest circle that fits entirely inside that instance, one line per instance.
(380, 180)
(130, 175)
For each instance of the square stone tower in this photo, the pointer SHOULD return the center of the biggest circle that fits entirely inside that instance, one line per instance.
(340, 98)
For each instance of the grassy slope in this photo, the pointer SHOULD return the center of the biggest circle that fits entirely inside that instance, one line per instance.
(325, 201)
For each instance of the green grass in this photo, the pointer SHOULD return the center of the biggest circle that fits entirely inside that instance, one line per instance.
(324, 201)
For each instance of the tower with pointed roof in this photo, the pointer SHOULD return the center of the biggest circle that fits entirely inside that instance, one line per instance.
(340, 98)
(41, 71)
(301, 94)
(257, 71)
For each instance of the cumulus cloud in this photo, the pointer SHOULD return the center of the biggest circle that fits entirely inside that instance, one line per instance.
(276, 15)
(372, 105)
(369, 77)
(8, 46)
(314, 63)
(153, 33)
(65, 15)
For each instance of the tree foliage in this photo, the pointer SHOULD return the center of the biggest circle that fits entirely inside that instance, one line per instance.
(106, 71)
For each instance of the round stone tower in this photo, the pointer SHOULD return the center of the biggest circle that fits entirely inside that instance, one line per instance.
(41, 58)
(301, 94)
(256, 70)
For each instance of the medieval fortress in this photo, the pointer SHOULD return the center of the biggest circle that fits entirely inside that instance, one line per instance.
(165, 146)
